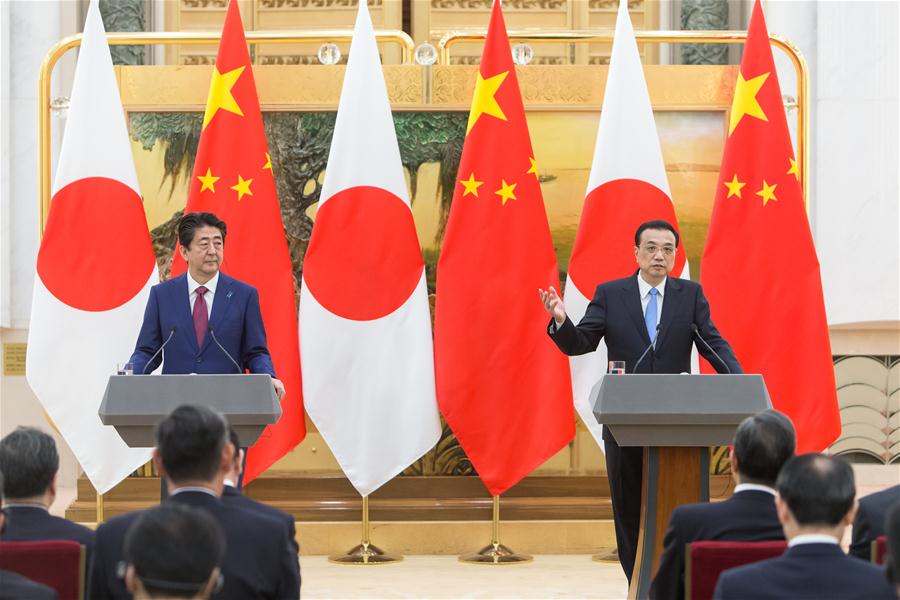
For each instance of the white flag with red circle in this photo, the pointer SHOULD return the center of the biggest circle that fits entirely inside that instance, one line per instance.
(365, 328)
(95, 268)
(627, 186)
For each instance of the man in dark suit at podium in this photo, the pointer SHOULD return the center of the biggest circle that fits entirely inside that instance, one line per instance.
(193, 454)
(816, 502)
(29, 458)
(203, 321)
(650, 321)
(870, 520)
(762, 444)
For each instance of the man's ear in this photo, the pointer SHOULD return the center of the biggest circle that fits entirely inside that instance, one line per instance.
(781, 507)
(851, 514)
(182, 251)
(158, 463)
(227, 456)
(732, 460)
(636, 250)
(211, 584)
(131, 581)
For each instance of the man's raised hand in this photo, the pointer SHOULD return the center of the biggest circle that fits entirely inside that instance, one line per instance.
(553, 304)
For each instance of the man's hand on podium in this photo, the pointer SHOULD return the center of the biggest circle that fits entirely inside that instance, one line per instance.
(279, 387)
(553, 304)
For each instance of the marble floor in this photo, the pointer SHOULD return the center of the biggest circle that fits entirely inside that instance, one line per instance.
(549, 576)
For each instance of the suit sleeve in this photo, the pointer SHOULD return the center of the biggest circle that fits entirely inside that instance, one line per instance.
(861, 543)
(712, 336)
(669, 581)
(97, 588)
(289, 581)
(149, 339)
(726, 589)
(254, 350)
(581, 339)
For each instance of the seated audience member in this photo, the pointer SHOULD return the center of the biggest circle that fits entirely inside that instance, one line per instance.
(193, 454)
(173, 551)
(815, 502)
(869, 522)
(893, 540)
(29, 461)
(232, 496)
(762, 444)
(12, 585)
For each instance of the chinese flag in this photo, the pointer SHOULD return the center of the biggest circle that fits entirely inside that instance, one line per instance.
(233, 179)
(760, 269)
(502, 385)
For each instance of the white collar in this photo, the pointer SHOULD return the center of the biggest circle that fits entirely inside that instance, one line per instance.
(229, 483)
(645, 287)
(194, 488)
(812, 538)
(25, 505)
(746, 487)
(209, 285)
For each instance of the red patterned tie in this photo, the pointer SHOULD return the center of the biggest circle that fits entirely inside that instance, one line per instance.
(201, 315)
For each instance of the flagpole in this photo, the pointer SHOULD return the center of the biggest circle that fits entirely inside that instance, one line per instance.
(495, 553)
(365, 553)
(100, 508)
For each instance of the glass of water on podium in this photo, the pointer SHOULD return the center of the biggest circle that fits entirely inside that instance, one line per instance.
(616, 367)
(125, 369)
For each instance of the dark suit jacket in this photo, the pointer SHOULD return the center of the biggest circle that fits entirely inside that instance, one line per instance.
(15, 587)
(259, 561)
(35, 524)
(748, 516)
(870, 520)
(806, 572)
(615, 314)
(232, 496)
(236, 320)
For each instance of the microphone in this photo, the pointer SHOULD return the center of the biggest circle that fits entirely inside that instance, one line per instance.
(222, 348)
(152, 358)
(652, 345)
(708, 347)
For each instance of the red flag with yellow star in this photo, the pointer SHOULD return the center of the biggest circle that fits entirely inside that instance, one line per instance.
(233, 179)
(760, 269)
(502, 385)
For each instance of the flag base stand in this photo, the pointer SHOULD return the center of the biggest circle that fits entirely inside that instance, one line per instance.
(607, 555)
(364, 553)
(495, 553)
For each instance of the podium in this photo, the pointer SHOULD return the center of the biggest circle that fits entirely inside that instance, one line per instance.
(135, 404)
(675, 418)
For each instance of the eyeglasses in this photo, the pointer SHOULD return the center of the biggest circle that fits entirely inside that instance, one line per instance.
(652, 249)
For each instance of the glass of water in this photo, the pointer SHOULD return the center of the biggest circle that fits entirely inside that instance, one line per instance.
(616, 367)
(125, 369)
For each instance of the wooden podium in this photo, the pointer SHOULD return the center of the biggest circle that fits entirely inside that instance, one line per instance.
(675, 418)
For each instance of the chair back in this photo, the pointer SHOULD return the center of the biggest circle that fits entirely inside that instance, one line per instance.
(879, 550)
(705, 561)
(59, 564)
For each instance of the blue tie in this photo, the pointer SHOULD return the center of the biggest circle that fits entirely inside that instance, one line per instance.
(650, 315)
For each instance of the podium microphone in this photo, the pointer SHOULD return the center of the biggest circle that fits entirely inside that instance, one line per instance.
(152, 358)
(708, 347)
(222, 348)
(652, 345)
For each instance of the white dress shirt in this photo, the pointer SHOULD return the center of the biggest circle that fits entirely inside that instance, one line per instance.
(209, 296)
(812, 538)
(645, 288)
(744, 487)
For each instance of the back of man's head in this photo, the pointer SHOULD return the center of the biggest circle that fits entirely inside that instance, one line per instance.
(189, 442)
(762, 444)
(892, 529)
(818, 489)
(29, 461)
(174, 550)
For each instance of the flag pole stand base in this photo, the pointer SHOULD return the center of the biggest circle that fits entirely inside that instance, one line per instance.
(496, 553)
(365, 553)
(607, 555)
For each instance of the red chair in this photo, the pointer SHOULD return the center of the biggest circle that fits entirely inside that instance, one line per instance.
(58, 564)
(879, 550)
(705, 561)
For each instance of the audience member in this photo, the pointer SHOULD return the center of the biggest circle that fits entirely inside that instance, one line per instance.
(173, 551)
(12, 585)
(762, 444)
(193, 454)
(30, 462)
(816, 502)
(232, 495)
(870, 519)
(893, 543)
